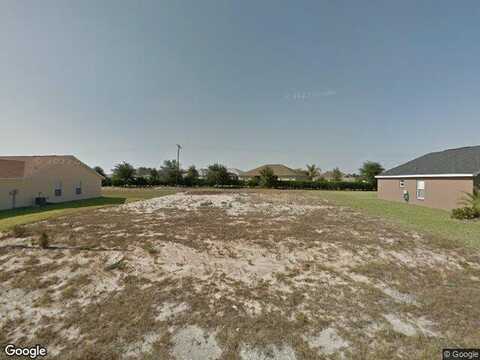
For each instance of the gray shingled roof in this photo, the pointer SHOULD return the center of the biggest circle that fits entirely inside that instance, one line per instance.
(464, 160)
(278, 170)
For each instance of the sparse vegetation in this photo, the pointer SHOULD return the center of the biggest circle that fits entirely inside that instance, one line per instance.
(120, 265)
(43, 240)
(229, 270)
(19, 231)
(148, 247)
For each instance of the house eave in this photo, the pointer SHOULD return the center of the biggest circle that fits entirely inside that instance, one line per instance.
(424, 176)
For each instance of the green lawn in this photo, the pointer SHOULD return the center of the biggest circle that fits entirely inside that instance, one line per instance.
(111, 196)
(136, 194)
(433, 221)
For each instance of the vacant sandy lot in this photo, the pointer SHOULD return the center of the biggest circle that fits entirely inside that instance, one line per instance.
(236, 275)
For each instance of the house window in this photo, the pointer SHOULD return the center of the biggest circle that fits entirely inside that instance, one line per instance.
(402, 183)
(420, 189)
(78, 188)
(58, 189)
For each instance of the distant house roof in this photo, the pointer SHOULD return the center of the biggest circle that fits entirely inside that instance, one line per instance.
(15, 167)
(330, 175)
(278, 170)
(235, 171)
(453, 162)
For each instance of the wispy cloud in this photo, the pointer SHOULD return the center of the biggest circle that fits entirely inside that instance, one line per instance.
(305, 95)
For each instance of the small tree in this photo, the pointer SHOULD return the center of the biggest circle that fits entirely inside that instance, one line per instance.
(313, 171)
(268, 178)
(170, 172)
(191, 177)
(217, 174)
(143, 171)
(106, 181)
(123, 174)
(253, 181)
(369, 170)
(99, 171)
(337, 175)
(154, 177)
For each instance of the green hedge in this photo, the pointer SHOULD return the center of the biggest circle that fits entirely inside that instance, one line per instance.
(326, 185)
(299, 185)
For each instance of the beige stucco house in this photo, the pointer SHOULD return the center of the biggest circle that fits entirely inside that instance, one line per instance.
(437, 180)
(282, 172)
(25, 180)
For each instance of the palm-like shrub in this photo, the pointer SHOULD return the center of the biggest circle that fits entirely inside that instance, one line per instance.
(313, 171)
(472, 200)
(471, 209)
(123, 174)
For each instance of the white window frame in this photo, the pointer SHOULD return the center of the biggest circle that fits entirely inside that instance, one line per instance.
(420, 189)
(402, 183)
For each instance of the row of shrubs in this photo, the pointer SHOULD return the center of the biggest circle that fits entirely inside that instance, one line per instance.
(326, 185)
(144, 182)
(299, 185)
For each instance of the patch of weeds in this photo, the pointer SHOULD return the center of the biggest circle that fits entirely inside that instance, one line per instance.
(72, 239)
(75, 266)
(32, 260)
(86, 247)
(120, 265)
(69, 293)
(302, 318)
(148, 247)
(19, 231)
(44, 301)
(44, 241)
(281, 277)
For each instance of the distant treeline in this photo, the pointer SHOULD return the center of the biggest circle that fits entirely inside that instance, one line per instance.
(170, 174)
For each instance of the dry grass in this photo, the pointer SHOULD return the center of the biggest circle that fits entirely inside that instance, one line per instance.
(237, 275)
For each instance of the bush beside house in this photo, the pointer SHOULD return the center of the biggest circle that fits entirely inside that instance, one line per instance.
(471, 209)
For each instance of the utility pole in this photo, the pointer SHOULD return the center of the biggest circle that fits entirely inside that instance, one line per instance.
(179, 147)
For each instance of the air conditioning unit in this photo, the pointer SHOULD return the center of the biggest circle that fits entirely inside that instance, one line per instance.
(40, 201)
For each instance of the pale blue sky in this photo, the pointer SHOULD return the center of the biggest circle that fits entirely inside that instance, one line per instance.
(239, 82)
